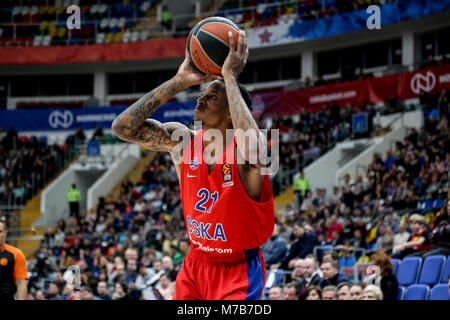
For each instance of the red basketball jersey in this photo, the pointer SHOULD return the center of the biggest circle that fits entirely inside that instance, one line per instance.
(221, 219)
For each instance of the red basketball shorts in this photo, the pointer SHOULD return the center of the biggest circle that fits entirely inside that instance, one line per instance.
(201, 278)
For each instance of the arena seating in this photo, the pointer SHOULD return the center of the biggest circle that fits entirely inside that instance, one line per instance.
(417, 292)
(408, 272)
(439, 292)
(432, 270)
(257, 13)
(43, 23)
(427, 285)
(446, 272)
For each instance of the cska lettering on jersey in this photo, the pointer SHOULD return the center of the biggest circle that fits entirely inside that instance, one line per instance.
(202, 230)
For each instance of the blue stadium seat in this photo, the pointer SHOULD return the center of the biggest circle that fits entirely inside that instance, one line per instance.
(408, 272)
(401, 293)
(446, 273)
(438, 203)
(439, 292)
(277, 279)
(417, 292)
(395, 264)
(432, 270)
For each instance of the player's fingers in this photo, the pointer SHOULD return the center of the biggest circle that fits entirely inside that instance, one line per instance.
(244, 47)
(240, 45)
(231, 41)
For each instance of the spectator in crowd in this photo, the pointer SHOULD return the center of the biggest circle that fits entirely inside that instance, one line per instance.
(329, 293)
(356, 291)
(120, 291)
(298, 268)
(290, 291)
(388, 283)
(87, 294)
(440, 235)
(331, 275)
(183, 249)
(102, 291)
(401, 237)
(372, 292)
(343, 291)
(302, 246)
(275, 293)
(53, 292)
(313, 293)
(164, 287)
(167, 264)
(275, 248)
(311, 274)
(419, 241)
(98, 134)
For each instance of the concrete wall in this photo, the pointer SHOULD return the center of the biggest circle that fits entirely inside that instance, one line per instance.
(112, 177)
(54, 204)
(400, 130)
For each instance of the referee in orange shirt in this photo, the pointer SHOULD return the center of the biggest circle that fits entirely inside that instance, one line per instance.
(13, 269)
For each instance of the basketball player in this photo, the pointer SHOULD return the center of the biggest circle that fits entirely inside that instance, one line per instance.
(228, 207)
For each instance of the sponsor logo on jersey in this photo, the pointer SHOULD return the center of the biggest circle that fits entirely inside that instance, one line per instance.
(226, 172)
(3, 261)
(193, 164)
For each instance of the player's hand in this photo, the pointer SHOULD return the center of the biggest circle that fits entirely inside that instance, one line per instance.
(237, 57)
(190, 75)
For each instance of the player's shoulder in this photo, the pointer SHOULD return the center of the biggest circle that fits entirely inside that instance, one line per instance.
(15, 251)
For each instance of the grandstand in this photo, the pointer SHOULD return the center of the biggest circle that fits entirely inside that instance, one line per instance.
(363, 114)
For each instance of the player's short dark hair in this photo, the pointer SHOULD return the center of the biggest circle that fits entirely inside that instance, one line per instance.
(244, 93)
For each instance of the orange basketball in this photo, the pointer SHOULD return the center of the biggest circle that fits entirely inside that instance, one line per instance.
(208, 44)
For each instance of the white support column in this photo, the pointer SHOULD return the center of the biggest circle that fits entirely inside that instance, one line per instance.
(100, 89)
(308, 65)
(410, 49)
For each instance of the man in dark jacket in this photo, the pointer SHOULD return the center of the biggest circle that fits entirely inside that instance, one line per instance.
(275, 248)
(311, 274)
(331, 275)
(300, 248)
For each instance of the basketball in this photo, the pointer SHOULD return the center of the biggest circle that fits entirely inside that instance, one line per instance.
(208, 45)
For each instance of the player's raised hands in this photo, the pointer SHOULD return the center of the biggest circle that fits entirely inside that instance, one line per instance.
(190, 75)
(237, 57)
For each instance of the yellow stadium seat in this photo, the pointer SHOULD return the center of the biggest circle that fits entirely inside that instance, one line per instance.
(61, 32)
(366, 259)
(51, 10)
(109, 38)
(290, 10)
(43, 25)
(42, 10)
(248, 24)
(118, 37)
(372, 234)
(52, 31)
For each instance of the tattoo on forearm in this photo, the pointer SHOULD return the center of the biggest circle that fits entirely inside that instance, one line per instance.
(131, 124)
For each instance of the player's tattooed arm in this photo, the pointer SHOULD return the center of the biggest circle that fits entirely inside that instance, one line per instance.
(133, 125)
(244, 124)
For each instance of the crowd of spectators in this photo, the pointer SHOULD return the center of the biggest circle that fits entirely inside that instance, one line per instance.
(25, 165)
(132, 245)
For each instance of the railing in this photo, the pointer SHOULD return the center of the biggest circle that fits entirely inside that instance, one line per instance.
(343, 250)
(14, 216)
